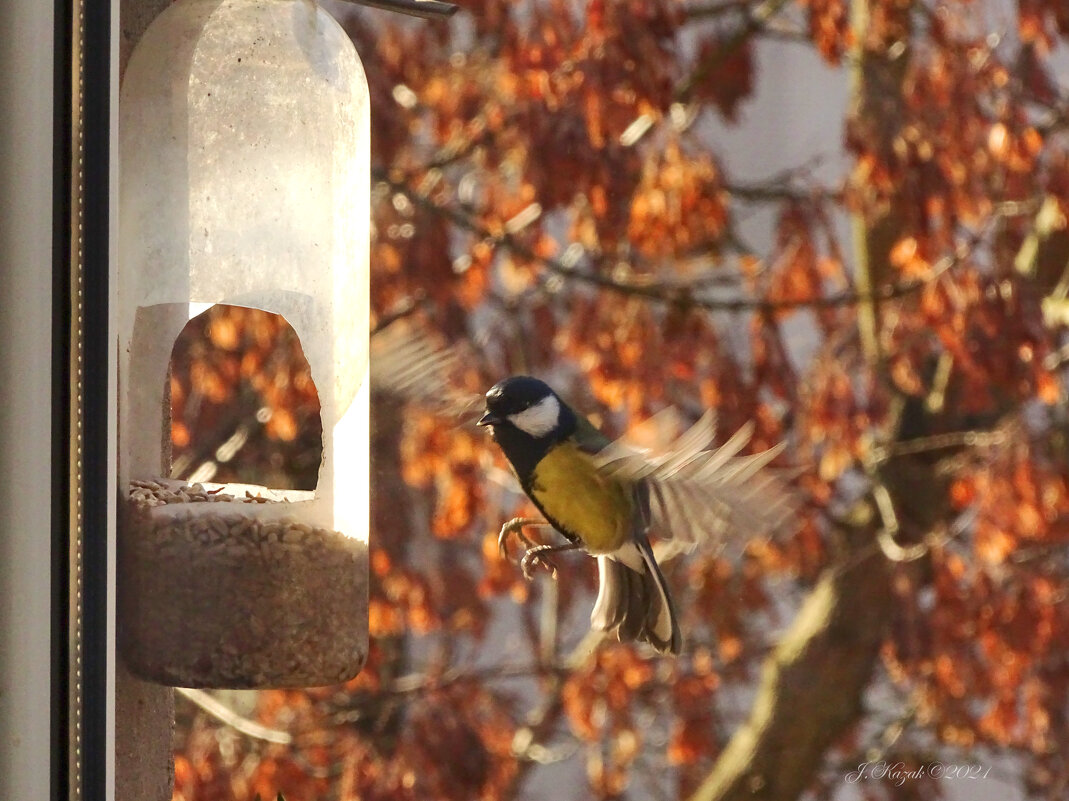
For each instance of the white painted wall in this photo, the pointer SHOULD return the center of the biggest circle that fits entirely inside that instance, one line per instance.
(26, 100)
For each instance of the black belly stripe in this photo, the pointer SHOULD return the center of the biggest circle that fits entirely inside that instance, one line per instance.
(528, 488)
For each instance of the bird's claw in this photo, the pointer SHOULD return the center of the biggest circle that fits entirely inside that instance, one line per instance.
(532, 558)
(534, 554)
(513, 526)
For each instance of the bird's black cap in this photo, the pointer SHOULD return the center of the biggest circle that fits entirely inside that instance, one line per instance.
(513, 395)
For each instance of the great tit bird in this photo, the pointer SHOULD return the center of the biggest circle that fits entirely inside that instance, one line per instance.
(604, 498)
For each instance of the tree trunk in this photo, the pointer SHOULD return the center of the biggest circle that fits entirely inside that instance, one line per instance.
(811, 687)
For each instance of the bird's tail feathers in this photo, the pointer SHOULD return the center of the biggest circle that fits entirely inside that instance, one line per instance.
(633, 600)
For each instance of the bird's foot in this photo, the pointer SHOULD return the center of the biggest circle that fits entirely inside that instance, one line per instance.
(536, 557)
(515, 526)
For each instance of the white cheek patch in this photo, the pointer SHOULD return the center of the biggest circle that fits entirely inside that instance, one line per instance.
(538, 420)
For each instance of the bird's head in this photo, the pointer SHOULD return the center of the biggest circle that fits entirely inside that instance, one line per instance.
(528, 406)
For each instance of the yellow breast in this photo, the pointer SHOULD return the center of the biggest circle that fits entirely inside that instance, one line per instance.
(580, 501)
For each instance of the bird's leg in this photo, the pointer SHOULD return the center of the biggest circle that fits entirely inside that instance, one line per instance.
(536, 556)
(515, 526)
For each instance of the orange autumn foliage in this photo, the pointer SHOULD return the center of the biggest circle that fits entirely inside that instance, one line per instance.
(551, 197)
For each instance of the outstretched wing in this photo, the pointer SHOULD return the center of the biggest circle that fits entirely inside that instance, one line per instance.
(406, 364)
(699, 494)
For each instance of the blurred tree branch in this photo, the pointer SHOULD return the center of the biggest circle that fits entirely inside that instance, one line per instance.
(680, 293)
(223, 713)
(753, 22)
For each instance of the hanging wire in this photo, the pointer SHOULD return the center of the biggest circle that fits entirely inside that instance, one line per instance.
(427, 9)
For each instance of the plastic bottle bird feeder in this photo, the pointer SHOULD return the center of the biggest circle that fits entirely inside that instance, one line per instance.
(244, 179)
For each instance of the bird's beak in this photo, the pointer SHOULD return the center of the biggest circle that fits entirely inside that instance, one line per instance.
(488, 419)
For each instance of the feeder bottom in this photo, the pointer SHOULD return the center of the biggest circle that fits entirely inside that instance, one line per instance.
(216, 592)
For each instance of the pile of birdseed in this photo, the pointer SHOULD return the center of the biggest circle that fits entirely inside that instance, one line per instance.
(222, 591)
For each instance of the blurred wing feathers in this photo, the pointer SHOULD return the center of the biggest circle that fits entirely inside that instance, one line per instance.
(407, 365)
(700, 494)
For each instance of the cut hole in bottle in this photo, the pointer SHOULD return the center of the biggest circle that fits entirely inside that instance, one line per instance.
(244, 407)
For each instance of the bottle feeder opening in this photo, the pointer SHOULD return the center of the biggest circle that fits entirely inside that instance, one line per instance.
(245, 409)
